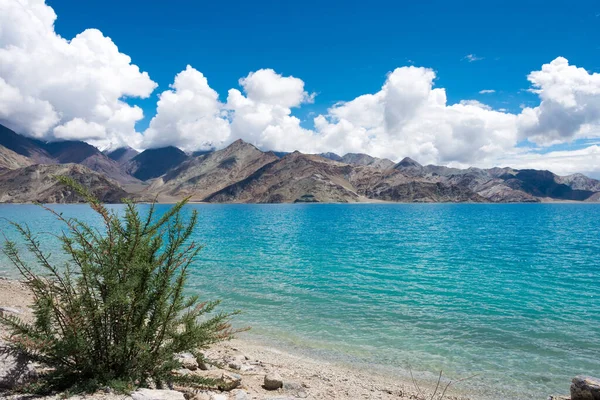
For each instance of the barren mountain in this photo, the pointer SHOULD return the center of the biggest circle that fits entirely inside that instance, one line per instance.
(365, 159)
(425, 192)
(122, 154)
(331, 156)
(64, 152)
(89, 156)
(243, 173)
(506, 185)
(544, 184)
(579, 182)
(24, 146)
(38, 183)
(153, 163)
(395, 185)
(296, 177)
(206, 174)
(11, 160)
(311, 178)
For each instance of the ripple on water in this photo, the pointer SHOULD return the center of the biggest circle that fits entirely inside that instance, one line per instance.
(510, 292)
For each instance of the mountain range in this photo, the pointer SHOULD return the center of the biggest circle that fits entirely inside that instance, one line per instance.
(241, 173)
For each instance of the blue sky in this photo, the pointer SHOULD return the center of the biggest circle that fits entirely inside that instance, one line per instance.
(462, 83)
(342, 49)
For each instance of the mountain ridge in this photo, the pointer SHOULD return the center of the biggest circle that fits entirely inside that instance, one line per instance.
(242, 173)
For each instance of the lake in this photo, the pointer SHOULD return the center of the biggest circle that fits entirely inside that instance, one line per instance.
(507, 291)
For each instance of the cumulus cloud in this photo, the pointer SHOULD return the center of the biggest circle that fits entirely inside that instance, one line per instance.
(561, 162)
(76, 89)
(80, 129)
(268, 87)
(569, 108)
(409, 117)
(188, 116)
(54, 88)
(262, 114)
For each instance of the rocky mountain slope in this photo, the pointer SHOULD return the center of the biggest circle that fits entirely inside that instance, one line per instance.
(64, 152)
(360, 159)
(24, 146)
(122, 154)
(153, 163)
(365, 159)
(296, 177)
(38, 183)
(89, 156)
(11, 160)
(206, 174)
(242, 173)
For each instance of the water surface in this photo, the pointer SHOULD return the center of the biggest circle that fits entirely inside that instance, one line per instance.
(509, 292)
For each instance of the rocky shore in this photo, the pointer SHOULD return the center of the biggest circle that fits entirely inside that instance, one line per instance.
(252, 371)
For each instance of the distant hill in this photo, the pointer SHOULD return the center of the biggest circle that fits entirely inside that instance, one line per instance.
(153, 163)
(203, 175)
(27, 147)
(64, 152)
(242, 173)
(38, 183)
(365, 159)
(86, 154)
(11, 160)
(331, 156)
(291, 179)
(122, 154)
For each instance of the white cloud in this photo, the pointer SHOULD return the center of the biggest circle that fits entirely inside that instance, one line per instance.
(188, 116)
(263, 115)
(475, 103)
(74, 86)
(79, 129)
(409, 117)
(25, 113)
(569, 108)
(267, 87)
(472, 58)
(54, 88)
(563, 162)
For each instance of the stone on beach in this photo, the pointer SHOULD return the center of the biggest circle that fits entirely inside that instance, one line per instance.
(238, 362)
(273, 381)
(187, 361)
(239, 394)
(225, 380)
(585, 388)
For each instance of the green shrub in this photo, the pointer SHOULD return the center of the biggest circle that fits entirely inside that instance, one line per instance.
(116, 312)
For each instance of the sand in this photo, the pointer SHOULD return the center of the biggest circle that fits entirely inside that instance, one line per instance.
(304, 377)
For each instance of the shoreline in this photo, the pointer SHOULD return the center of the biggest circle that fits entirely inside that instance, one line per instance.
(374, 202)
(317, 378)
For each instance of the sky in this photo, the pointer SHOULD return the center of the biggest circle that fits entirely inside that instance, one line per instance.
(454, 83)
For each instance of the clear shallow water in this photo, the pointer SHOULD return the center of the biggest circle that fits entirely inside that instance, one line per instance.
(509, 292)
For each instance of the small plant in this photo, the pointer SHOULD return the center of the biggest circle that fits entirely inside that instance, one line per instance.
(116, 313)
(437, 394)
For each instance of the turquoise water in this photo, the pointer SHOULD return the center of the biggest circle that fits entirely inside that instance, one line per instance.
(509, 292)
